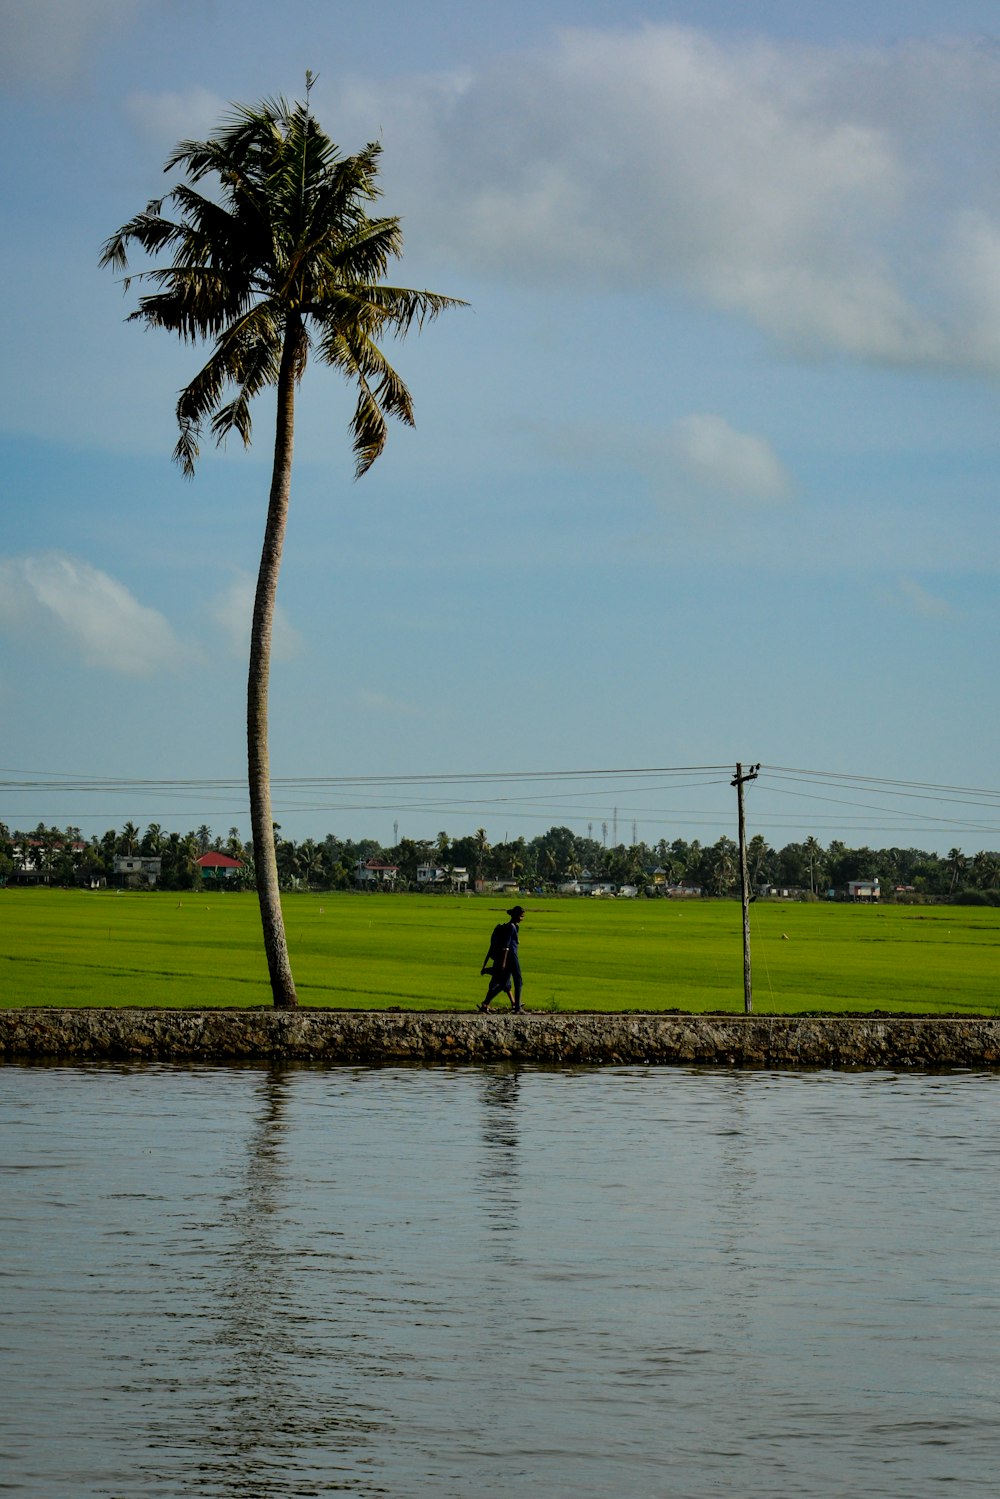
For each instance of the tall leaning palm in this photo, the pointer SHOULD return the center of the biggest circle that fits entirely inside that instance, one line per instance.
(281, 260)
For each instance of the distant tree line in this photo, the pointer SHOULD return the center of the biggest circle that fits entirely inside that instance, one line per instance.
(555, 857)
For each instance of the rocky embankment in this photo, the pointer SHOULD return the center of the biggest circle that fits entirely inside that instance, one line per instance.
(378, 1038)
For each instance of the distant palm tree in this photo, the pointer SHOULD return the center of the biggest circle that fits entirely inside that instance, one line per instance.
(128, 838)
(152, 839)
(188, 854)
(813, 852)
(308, 862)
(482, 850)
(725, 866)
(280, 261)
(287, 860)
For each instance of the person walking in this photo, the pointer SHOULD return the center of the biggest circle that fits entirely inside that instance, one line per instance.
(506, 970)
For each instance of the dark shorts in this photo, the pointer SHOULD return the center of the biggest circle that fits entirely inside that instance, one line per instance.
(503, 978)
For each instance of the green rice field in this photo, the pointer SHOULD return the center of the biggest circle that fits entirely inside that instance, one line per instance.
(415, 952)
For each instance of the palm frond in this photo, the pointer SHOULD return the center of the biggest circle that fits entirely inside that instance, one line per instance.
(284, 248)
(247, 355)
(196, 402)
(150, 230)
(378, 308)
(400, 307)
(369, 428)
(253, 354)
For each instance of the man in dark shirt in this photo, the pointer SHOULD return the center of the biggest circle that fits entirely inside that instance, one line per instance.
(506, 967)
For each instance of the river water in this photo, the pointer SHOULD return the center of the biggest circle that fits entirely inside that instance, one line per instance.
(222, 1282)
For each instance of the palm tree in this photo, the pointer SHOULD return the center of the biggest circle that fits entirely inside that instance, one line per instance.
(281, 261)
(309, 862)
(813, 852)
(482, 850)
(152, 839)
(189, 849)
(286, 860)
(725, 865)
(128, 838)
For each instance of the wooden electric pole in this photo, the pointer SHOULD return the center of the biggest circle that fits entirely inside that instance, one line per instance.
(739, 781)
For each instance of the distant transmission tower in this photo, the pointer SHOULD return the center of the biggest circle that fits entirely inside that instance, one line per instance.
(604, 834)
(614, 828)
(634, 838)
(395, 834)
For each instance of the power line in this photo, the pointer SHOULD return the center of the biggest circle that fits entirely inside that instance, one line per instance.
(72, 782)
(906, 787)
(564, 794)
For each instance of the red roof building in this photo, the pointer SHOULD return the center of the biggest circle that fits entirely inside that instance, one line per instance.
(216, 866)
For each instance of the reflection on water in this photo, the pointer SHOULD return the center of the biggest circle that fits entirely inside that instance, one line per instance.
(499, 1173)
(241, 1283)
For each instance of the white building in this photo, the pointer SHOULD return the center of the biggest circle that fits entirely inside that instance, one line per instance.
(437, 875)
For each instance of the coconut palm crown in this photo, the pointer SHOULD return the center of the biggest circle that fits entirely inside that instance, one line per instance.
(280, 261)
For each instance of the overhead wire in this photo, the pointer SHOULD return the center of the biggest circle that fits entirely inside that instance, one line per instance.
(344, 794)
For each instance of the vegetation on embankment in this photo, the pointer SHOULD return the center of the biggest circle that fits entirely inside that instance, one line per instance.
(423, 953)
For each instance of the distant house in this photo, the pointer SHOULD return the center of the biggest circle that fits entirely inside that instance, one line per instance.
(780, 892)
(683, 892)
(429, 875)
(137, 869)
(374, 872)
(863, 890)
(217, 867)
(31, 860)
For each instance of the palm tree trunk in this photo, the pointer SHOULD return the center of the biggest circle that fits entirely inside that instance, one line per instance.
(258, 759)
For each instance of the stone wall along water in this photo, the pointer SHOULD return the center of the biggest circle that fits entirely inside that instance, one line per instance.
(377, 1038)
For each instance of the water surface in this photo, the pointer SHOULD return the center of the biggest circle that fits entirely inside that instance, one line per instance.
(225, 1282)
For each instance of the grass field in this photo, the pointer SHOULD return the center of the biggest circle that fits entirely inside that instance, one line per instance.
(424, 952)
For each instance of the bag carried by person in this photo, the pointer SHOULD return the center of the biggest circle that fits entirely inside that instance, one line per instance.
(497, 948)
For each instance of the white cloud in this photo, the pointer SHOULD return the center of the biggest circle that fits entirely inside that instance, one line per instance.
(232, 611)
(47, 41)
(167, 118)
(702, 460)
(830, 195)
(919, 601)
(380, 702)
(81, 605)
(715, 459)
(973, 256)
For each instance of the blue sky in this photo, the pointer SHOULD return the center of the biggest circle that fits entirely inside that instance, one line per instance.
(707, 472)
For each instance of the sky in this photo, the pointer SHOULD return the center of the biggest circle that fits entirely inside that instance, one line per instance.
(707, 471)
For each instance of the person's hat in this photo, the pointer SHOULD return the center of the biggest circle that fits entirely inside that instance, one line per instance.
(516, 911)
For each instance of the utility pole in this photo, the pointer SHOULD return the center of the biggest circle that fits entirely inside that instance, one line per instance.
(739, 781)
